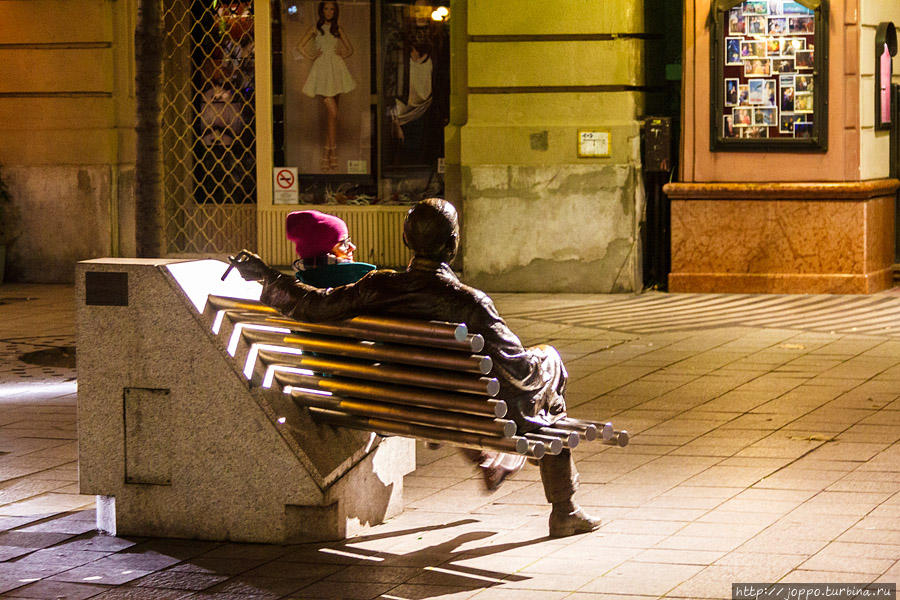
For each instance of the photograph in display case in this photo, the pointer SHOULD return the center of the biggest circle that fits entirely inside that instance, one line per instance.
(756, 7)
(733, 51)
(737, 24)
(755, 132)
(803, 102)
(756, 25)
(731, 92)
(777, 26)
(789, 46)
(804, 59)
(753, 49)
(757, 91)
(786, 122)
(800, 24)
(771, 92)
(787, 99)
(743, 116)
(766, 65)
(757, 67)
(793, 8)
(728, 126)
(802, 130)
(765, 116)
(783, 65)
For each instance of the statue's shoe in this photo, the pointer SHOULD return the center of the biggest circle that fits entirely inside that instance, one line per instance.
(502, 467)
(570, 523)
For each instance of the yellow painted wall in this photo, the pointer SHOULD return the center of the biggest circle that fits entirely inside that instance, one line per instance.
(497, 17)
(537, 217)
(497, 122)
(67, 137)
(66, 74)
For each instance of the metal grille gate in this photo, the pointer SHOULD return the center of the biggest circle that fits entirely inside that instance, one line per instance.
(208, 126)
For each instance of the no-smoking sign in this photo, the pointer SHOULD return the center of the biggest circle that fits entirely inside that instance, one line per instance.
(285, 185)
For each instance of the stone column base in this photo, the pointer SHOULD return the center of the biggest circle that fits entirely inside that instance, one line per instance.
(785, 238)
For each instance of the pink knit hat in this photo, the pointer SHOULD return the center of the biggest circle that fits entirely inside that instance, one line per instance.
(314, 233)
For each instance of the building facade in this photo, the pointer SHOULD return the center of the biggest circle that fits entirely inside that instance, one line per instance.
(526, 79)
(538, 109)
(67, 131)
(809, 218)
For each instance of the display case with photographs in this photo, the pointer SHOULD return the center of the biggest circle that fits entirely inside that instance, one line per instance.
(769, 68)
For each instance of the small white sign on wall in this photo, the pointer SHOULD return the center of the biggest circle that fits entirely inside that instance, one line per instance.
(593, 143)
(357, 166)
(285, 186)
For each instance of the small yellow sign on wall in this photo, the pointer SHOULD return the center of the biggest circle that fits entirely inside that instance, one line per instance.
(593, 143)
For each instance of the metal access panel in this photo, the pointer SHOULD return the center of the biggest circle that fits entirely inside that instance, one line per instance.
(148, 435)
(658, 144)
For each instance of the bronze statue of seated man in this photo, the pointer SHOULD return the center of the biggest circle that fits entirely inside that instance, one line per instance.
(532, 380)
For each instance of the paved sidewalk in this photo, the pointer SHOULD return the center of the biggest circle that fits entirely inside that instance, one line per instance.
(759, 454)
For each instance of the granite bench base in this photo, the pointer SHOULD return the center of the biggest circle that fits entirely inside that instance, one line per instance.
(174, 441)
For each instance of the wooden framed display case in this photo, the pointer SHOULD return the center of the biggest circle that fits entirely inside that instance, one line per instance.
(769, 84)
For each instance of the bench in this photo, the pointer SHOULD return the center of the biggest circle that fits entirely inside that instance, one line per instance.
(424, 380)
(204, 414)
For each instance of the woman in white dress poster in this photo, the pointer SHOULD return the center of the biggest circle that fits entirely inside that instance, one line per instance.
(328, 45)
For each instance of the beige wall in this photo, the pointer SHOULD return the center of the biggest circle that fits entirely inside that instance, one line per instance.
(874, 146)
(839, 163)
(67, 131)
(536, 216)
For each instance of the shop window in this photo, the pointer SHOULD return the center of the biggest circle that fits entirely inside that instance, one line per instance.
(769, 75)
(361, 98)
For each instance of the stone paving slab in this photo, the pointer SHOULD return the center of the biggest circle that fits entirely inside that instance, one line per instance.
(758, 454)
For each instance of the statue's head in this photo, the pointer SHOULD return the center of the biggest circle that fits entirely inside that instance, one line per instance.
(431, 230)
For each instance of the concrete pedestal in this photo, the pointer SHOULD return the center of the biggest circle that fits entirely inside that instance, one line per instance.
(175, 442)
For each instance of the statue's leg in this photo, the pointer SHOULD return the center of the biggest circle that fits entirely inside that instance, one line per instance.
(559, 476)
(560, 479)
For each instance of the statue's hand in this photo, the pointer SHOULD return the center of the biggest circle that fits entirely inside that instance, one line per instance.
(250, 266)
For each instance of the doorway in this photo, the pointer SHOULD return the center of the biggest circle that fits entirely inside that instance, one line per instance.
(661, 133)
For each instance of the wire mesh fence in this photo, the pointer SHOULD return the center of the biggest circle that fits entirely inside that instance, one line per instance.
(208, 126)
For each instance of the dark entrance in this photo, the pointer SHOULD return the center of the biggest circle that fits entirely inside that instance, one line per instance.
(662, 73)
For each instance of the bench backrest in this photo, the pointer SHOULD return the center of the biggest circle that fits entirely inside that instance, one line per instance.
(392, 376)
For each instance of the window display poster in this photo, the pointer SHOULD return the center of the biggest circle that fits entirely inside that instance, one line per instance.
(416, 90)
(327, 88)
(769, 62)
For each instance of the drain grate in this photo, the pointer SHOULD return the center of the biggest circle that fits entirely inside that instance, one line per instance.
(51, 357)
(12, 300)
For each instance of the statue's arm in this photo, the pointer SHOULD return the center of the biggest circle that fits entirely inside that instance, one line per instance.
(294, 298)
(304, 302)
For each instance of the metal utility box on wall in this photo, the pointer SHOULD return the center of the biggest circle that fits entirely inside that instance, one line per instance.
(658, 144)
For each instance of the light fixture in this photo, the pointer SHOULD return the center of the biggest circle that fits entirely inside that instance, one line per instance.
(441, 13)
